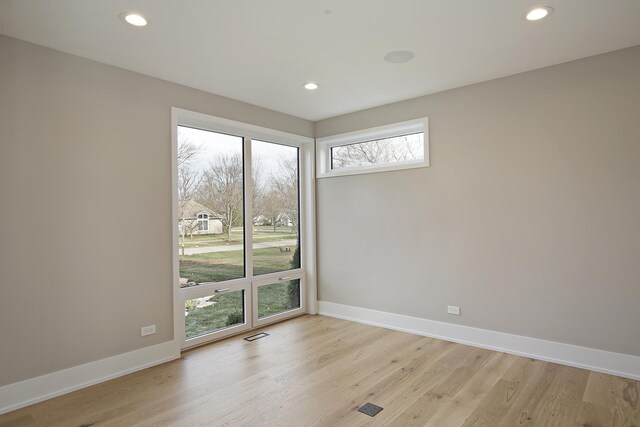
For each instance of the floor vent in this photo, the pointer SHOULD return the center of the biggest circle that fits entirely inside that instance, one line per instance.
(370, 409)
(256, 336)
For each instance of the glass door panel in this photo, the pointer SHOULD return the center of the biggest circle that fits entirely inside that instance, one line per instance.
(278, 297)
(212, 313)
(210, 207)
(276, 207)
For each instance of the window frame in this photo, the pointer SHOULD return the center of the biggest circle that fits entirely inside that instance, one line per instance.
(203, 218)
(306, 273)
(325, 145)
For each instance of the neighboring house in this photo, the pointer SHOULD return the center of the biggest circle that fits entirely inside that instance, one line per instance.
(262, 220)
(195, 218)
(284, 220)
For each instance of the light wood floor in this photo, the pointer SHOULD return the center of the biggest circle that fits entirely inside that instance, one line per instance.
(316, 371)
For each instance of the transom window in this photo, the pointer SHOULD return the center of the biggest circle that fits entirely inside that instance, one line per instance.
(378, 152)
(398, 146)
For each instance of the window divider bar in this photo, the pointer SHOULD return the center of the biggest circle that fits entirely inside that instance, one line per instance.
(248, 209)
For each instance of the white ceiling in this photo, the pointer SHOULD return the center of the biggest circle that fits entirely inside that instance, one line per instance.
(262, 51)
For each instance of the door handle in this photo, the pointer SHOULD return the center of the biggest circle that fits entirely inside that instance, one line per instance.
(219, 291)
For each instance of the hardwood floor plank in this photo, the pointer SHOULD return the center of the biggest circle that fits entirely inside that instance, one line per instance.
(555, 401)
(442, 382)
(438, 389)
(627, 403)
(594, 415)
(519, 380)
(456, 411)
(19, 420)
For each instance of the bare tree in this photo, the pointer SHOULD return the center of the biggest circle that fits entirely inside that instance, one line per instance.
(285, 185)
(259, 188)
(187, 227)
(221, 188)
(271, 206)
(187, 151)
(389, 150)
(189, 179)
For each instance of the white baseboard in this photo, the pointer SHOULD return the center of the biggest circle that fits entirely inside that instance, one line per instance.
(28, 392)
(623, 365)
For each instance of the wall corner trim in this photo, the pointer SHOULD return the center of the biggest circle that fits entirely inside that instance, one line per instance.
(24, 393)
(623, 365)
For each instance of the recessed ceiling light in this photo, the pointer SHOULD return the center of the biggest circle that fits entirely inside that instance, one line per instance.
(310, 86)
(134, 19)
(399, 56)
(539, 13)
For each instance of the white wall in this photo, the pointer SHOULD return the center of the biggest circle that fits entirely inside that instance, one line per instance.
(528, 218)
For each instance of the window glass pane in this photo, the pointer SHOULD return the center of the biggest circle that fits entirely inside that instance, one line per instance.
(279, 297)
(210, 206)
(397, 149)
(276, 244)
(213, 313)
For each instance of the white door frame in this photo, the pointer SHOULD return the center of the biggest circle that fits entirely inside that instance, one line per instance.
(307, 272)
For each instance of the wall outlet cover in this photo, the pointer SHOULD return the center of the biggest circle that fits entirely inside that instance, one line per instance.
(452, 309)
(147, 330)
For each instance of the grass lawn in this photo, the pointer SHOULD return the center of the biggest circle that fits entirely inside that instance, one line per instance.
(199, 321)
(227, 309)
(260, 234)
(220, 266)
(278, 297)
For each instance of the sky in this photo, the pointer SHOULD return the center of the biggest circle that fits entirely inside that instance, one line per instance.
(268, 155)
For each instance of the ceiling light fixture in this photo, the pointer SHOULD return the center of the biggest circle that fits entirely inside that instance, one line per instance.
(538, 13)
(310, 86)
(134, 19)
(399, 56)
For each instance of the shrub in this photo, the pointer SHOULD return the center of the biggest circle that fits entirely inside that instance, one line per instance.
(189, 305)
(293, 294)
(295, 260)
(293, 288)
(234, 318)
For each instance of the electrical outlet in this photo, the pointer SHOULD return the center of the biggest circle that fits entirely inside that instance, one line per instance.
(452, 309)
(147, 330)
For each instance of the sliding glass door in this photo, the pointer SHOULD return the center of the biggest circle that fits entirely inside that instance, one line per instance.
(238, 230)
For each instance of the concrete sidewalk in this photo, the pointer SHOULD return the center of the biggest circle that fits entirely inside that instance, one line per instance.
(229, 248)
